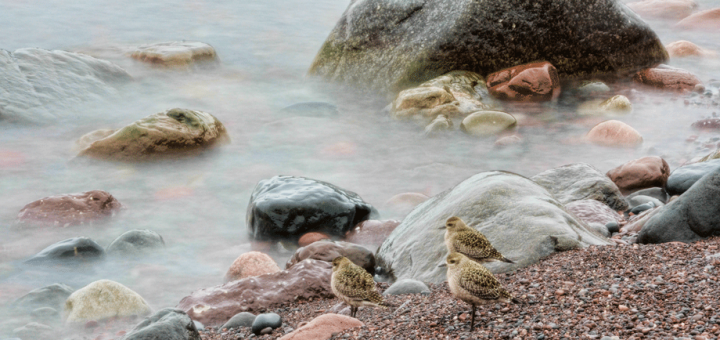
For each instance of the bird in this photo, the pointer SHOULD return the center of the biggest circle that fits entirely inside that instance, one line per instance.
(354, 285)
(470, 242)
(474, 284)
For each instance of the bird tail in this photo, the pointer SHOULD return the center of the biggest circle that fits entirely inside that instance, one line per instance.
(505, 259)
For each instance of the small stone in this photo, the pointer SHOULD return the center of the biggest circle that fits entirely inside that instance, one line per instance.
(487, 123)
(267, 320)
(623, 308)
(614, 133)
(243, 319)
(311, 237)
(613, 227)
(266, 330)
(251, 264)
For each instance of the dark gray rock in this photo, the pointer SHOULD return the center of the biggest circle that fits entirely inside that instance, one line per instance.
(166, 324)
(642, 207)
(581, 181)
(692, 216)
(266, 320)
(613, 227)
(286, 207)
(682, 178)
(656, 193)
(407, 286)
(386, 45)
(52, 296)
(312, 109)
(199, 325)
(76, 250)
(243, 319)
(520, 218)
(135, 243)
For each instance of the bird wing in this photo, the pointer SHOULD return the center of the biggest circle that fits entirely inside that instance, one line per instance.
(356, 284)
(475, 246)
(482, 284)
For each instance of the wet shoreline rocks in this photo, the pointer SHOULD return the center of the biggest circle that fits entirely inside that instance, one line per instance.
(104, 299)
(176, 54)
(70, 209)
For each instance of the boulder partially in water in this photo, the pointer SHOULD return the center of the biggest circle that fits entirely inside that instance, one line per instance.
(52, 296)
(104, 299)
(251, 264)
(175, 132)
(167, 324)
(74, 251)
(70, 209)
(136, 243)
(177, 54)
(386, 46)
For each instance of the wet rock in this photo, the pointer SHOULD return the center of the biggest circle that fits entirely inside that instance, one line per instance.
(215, 305)
(72, 251)
(528, 82)
(666, 77)
(684, 48)
(135, 243)
(642, 173)
(311, 237)
(407, 286)
(251, 264)
(371, 233)
(455, 94)
(692, 216)
(174, 132)
(580, 181)
(508, 141)
(440, 124)
(176, 54)
(168, 323)
(707, 124)
(487, 202)
(384, 46)
(328, 250)
(592, 211)
(616, 105)
(642, 199)
(266, 320)
(243, 319)
(90, 137)
(487, 123)
(664, 9)
(614, 133)
(41, 86)
(704, 20)
(612, 227)
(286, 207)
(35, 331)
(642, 207)
(682, 178)
(656, 193)
(592, 87)
(52, 296)
(104, 299)
(323, 327)
(312, 109)
(70, 209)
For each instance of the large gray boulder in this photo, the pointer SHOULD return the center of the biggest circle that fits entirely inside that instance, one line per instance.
(520, 218)
(682, 178)
(580, 181)
(389, 45)
(39, 85)
(691, 217)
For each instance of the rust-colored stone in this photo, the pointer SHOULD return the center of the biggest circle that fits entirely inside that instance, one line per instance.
(684, 48)
(312, 237)
(70, 209)
(665, 77)
(614, 133)
(706, 20)
(323, 327)
(646, 172)
(529, 82)
(251, 264)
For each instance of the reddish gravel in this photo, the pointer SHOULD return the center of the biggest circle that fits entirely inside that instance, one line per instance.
(664, 291)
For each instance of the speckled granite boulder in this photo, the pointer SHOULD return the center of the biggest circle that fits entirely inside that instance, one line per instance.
(104, 299)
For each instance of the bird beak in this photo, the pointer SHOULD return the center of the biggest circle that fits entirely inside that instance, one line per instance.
(443, 227)
(442, 265)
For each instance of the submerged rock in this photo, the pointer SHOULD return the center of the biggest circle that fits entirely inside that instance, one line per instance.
(520, 218)
(70, 209)
(615, 105)
(165, 324)
(104, 299)
(311, 237)
(386, 46)
(580, 181)
(704, 20)
(329, 250)
(684, 48)
(665, 77)
(664, 9)
(251, 264)
(614, 133)
(372, 233)
(178, 54)
(136, 243)
(170, 133)
(529, 82)
(286, 207)
(35, 331)
(52, 296)
(72, 251)
(487, 123)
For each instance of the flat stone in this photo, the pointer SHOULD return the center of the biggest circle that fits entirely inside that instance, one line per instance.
(177, 54)
(487, 123)
(323, 327)
(407, 286)
(243, 319)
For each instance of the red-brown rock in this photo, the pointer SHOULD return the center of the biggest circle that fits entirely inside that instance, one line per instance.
(323, 327)
(214, 306)
(311, 237)
(684, 48)
(529, 82)
(251, 264)
(614, 133)
(328, 250)
(592, 211)
(70, 209)
(664, 9)
(707, 20)
(665, 77)
(646, 172)
(706, 124)
(371, 233)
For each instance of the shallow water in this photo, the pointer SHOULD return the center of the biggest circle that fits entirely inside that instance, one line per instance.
(198, 204)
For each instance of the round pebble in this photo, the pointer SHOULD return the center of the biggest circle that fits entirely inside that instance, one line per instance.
(266, 320)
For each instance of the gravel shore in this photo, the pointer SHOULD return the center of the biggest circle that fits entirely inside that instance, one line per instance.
(665, 291)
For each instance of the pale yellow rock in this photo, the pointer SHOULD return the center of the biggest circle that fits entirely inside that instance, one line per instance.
(487, 123)
(175, 53)
(104, 299)
(616, 105)
(440, 124)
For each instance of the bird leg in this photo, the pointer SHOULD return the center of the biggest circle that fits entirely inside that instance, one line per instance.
(353, 311)
(472, 318)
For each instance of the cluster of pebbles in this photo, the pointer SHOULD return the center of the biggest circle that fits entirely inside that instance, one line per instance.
(665, 291)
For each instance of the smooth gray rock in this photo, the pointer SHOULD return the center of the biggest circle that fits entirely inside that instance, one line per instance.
(135, 243)
(656, 193)
(243, 319)
(166, 324)
(52, 296)
(72, 251)
(407, 286)
(45, 315)
(266, 320)
(580, 181)
(520, 218)
(682, 178)
(692, 216)
(642, 199)
(199, 325)
(600, 229)
(386, 46)
(34, 331)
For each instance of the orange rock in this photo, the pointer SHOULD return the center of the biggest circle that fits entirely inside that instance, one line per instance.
(665, 77)
(323, 327)
(646, 172)
(614, 133)
(250, 264)
(665, 9)
(623, 308)
(684, 48)
(529, 82)
(708, 20)
(311, 237)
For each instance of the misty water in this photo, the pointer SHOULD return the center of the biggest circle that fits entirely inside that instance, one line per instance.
(199, 204)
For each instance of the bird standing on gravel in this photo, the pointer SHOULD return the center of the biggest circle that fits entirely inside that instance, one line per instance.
(473, 283)
(354, 285)
(470, 242)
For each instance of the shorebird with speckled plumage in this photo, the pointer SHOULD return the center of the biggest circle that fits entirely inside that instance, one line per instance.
(354, 285)
(470, 242)
(472, 283)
